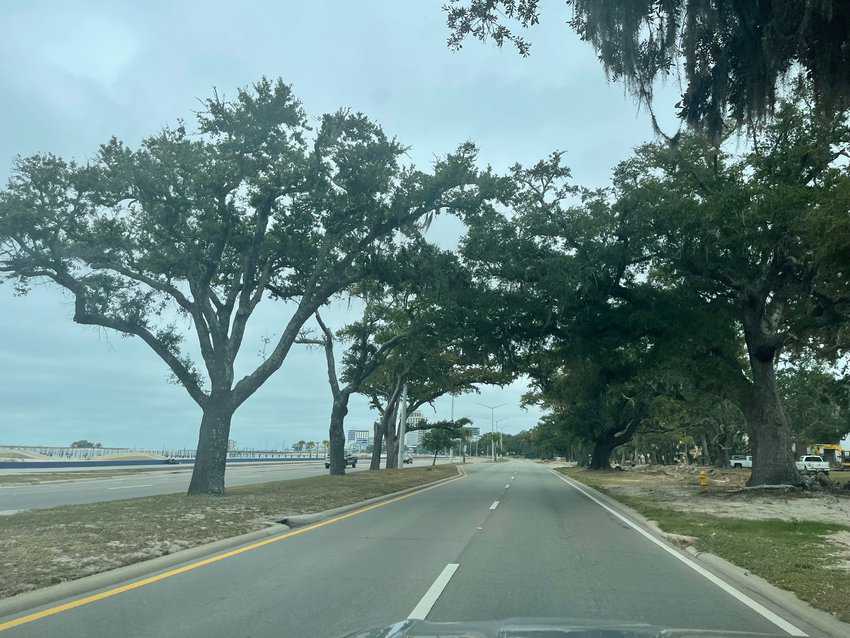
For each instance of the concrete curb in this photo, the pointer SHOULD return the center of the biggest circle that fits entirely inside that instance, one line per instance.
(752, 585)
(31, 600)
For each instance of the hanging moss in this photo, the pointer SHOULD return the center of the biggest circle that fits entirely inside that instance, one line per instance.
(734, 55)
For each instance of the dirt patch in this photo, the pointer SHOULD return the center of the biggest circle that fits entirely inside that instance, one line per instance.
(677, 487)
(18, 454)
(49, 546)
(841, 541)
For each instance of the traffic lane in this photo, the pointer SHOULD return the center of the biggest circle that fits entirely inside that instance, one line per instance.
(548, 551)
(367, 570)
(26, 497)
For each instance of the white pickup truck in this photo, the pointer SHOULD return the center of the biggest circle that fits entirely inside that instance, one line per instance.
(740, 461)
(812, 465)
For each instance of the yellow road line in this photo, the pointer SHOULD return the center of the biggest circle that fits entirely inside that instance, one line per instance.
(109, 593)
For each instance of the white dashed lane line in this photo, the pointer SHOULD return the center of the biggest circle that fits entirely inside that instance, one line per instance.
(424, 606)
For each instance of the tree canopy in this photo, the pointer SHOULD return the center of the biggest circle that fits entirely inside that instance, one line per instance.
(207, 224)
(640, 307)
(734, 57)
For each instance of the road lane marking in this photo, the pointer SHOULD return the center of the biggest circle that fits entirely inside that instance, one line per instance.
(136, 584)
(494, 505)
(423, 607)
(757, 607)
(127, 487)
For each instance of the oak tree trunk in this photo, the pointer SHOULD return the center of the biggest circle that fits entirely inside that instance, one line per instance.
(600, 458)
(211, 455)
(770, 434)
(336, 435)
(392, 447)
(391, 436)
(377, 446)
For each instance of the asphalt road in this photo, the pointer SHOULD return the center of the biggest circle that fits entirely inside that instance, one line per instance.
(15, 497)
(537, 548)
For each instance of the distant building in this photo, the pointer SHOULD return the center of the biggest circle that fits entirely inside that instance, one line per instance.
(358, 439)
(415, 418)
(231, 445)
(413, 438)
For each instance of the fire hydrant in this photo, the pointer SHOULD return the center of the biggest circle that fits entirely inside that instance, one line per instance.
(703, 479)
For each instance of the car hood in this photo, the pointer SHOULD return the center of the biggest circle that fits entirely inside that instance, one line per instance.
(542, 628)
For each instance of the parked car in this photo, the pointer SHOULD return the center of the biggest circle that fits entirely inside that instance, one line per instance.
(408, 458)
(350, 459)
(812, 465)
(740, 461)
(171, 461)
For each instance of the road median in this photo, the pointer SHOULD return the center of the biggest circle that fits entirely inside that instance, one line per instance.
(799, 557)
(44, 548)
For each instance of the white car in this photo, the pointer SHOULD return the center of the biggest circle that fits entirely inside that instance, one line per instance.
(740, 461)
(812, 465)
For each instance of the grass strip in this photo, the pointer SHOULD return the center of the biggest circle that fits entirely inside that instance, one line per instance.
(794, 555)
(49, 546)
(34, 478)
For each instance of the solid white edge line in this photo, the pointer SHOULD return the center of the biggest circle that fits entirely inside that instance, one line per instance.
(494, 505)
(423, 607)
(757, 607)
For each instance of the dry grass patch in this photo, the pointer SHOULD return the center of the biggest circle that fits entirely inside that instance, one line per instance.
(49, 546)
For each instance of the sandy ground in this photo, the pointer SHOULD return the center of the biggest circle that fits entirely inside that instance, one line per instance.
(677, 487)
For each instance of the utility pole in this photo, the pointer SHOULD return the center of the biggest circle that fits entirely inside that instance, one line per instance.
(402, 428)
(492, 409)
(501, 435)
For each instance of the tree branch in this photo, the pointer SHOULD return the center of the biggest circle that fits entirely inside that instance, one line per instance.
(86, 317)
(329, 356)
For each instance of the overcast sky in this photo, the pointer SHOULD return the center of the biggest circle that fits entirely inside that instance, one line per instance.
(75, 73)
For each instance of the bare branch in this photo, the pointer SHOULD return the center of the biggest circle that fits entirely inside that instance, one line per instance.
(83, 315)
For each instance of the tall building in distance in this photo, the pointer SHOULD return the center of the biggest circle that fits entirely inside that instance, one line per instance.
(358, 439)
(414, 438)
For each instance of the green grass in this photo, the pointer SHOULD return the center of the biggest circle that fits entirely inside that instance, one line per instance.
(795, 556)
(49, 546)
(840, 477)
(35, 478)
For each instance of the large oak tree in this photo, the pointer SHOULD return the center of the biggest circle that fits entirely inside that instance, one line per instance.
(205, 224)
(761, 233)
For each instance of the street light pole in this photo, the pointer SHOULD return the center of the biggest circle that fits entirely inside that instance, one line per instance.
(492, 409)
(402, 428)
